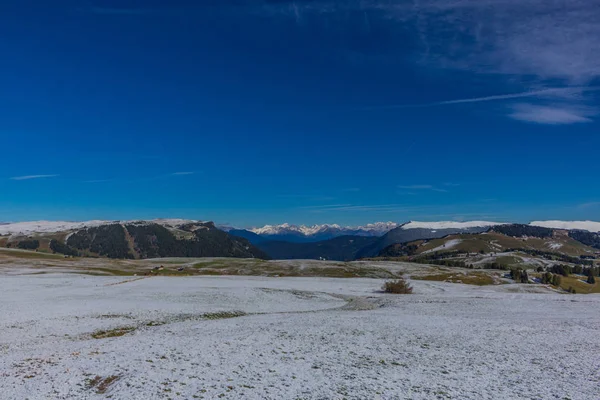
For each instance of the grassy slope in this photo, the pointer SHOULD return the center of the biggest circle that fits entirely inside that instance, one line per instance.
(575, 281)
(27, 254)
(496, 242)
(469, 278)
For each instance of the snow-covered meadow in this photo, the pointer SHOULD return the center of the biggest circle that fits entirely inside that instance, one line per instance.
(300, 338)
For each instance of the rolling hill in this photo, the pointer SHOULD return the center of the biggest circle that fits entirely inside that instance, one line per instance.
(419, 231)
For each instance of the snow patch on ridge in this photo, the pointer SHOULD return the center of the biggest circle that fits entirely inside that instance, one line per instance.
(591, 226)
(28, 228)
(449, 224)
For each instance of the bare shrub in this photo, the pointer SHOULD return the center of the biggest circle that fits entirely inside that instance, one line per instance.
(397, 286)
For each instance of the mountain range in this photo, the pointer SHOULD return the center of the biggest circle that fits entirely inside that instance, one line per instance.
(302, 233)
(192, 238)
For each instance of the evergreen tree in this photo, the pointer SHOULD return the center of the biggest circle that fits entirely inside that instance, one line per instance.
(590, 279)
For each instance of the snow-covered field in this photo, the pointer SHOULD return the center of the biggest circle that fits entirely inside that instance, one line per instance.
(302, 338)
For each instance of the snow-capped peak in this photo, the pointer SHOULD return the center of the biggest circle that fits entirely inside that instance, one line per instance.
(449, 224)
(298, 229)
(378, 228)
(591, 226)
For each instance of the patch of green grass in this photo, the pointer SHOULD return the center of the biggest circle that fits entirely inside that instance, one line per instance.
(479, 279)
(509, 260)
(210, 272)
(109, 271)
(117, 332)
(29, 254)
(574, 281)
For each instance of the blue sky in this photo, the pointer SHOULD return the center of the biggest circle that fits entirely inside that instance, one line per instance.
(254, 112)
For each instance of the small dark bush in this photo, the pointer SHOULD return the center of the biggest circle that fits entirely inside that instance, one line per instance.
(398, 286)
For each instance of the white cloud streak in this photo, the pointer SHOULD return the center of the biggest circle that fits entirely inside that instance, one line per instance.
(421, 187)
(29, 177)
(544, 93)
(121, 11)
(182, 173)
(552, 115)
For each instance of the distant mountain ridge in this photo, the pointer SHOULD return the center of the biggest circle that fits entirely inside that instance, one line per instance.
(315, 233)
(375, 229)
(33, 227)
(194, 238)
(130, 239)
(341, 248)
(418, 231)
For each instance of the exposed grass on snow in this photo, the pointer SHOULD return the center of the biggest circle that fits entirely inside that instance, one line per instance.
(117, 332)
(479, 279)
(224, 314)
(282, 269)
(100, 384)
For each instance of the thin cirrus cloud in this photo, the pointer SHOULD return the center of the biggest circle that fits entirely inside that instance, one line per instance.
(182, 173)
(120, 11)
(545, 51)
(532, 41)
(548, 51)
(550, 92)
(421, 187)
(30, 177)
(552, 115)
(361, 208)
(592, 204)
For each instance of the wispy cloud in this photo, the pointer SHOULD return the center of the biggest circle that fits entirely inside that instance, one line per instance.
(307, 197)
(415, 187)
(552, 115)
(547, 51)
(363, 208)
(324, 206)
(28, 177)
(182, 173)
(121, 11)
(421, 187)
(98, 181)
(544, 93)
(591, 204)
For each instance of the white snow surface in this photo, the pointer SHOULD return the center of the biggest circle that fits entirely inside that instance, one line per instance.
(591, 226)
(449, 224)
(300, 339)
